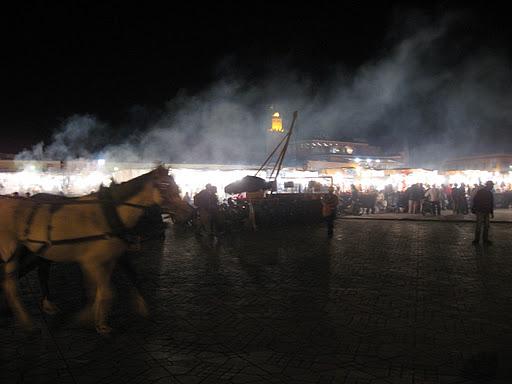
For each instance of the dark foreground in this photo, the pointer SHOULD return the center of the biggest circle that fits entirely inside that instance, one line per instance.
(381, 302)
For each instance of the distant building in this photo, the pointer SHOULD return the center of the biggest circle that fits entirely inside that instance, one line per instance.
(321, 153)
(343, 154)
(7, 156)
(492, 163)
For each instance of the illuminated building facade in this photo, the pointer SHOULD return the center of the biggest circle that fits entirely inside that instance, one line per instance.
(491, 163)
(315, 153)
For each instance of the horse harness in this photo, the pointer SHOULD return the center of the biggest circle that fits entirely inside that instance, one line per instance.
(108, 207)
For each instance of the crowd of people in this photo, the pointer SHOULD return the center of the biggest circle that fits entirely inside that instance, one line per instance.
(446, 197)
(416, 199)
(478, 199)
(212, 215)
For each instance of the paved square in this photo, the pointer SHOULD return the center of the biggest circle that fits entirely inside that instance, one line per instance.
(381, 302)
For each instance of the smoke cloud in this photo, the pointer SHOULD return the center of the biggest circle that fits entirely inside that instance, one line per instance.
(425, 94)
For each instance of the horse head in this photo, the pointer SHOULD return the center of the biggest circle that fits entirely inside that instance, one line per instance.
(167, 195)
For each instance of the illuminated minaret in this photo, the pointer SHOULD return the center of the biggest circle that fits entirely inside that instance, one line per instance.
(277, 123)
(275, 133)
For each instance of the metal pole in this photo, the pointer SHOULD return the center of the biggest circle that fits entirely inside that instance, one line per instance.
(281, 157)
(270, 156)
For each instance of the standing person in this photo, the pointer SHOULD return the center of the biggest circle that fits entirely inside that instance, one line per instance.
(417, 194)
(421, 197)
(213, 208)
(381, 202)
(434, 195)
(409, 192)
(445, 196)
(474, 190)
(207, 202)
(448, 195)
(354, 193)
(463, 201)
(483, 208)
(455, 199)
(329, 205)
(389, 197)
(355, 199)
(187, 198)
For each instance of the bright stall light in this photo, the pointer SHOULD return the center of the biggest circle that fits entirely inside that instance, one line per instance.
(75, 181)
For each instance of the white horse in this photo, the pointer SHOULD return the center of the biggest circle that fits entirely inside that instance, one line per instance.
(88, 230)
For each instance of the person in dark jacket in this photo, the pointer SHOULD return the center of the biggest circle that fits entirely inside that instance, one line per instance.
(483, 208)
(354, 192)
(463, 202)
(329, 205)
(208, 205)
(455, 199)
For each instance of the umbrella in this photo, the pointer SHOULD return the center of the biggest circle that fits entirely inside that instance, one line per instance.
(247, 184)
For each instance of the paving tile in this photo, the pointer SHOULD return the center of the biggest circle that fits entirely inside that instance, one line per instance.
(381, 302)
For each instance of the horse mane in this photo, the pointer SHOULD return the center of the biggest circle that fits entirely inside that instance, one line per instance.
(127, 189)
(50, 197)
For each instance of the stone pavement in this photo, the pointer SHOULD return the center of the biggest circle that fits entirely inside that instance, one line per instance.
(381, 302)
(500, 216)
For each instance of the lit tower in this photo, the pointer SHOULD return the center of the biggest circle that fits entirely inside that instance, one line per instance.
(277, 123)
(275, 133)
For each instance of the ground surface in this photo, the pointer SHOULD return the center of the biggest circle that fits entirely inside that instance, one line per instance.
(381, 302)
(500, 216)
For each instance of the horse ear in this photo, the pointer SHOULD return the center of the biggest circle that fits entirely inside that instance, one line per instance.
(162, 171)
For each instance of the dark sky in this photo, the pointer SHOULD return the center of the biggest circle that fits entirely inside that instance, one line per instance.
(78, 58)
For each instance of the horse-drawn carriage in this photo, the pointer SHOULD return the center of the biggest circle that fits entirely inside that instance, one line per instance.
(92, 230)
(287, 208)
(273, 209)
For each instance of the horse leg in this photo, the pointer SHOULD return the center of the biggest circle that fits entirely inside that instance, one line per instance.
(10, 286)
(27, 261)
(43, 272)
(99, 275)
(86, 315)
(104, 298)
(139, 304)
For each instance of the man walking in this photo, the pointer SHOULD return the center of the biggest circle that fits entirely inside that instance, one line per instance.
(483, 208)
(329, 205)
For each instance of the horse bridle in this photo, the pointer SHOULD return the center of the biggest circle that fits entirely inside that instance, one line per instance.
(164, 189)
(108, 205)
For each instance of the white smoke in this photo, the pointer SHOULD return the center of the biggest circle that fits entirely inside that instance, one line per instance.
(412, 95)
(79, 137)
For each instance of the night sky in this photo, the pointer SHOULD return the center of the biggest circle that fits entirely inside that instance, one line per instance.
(102, 60)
